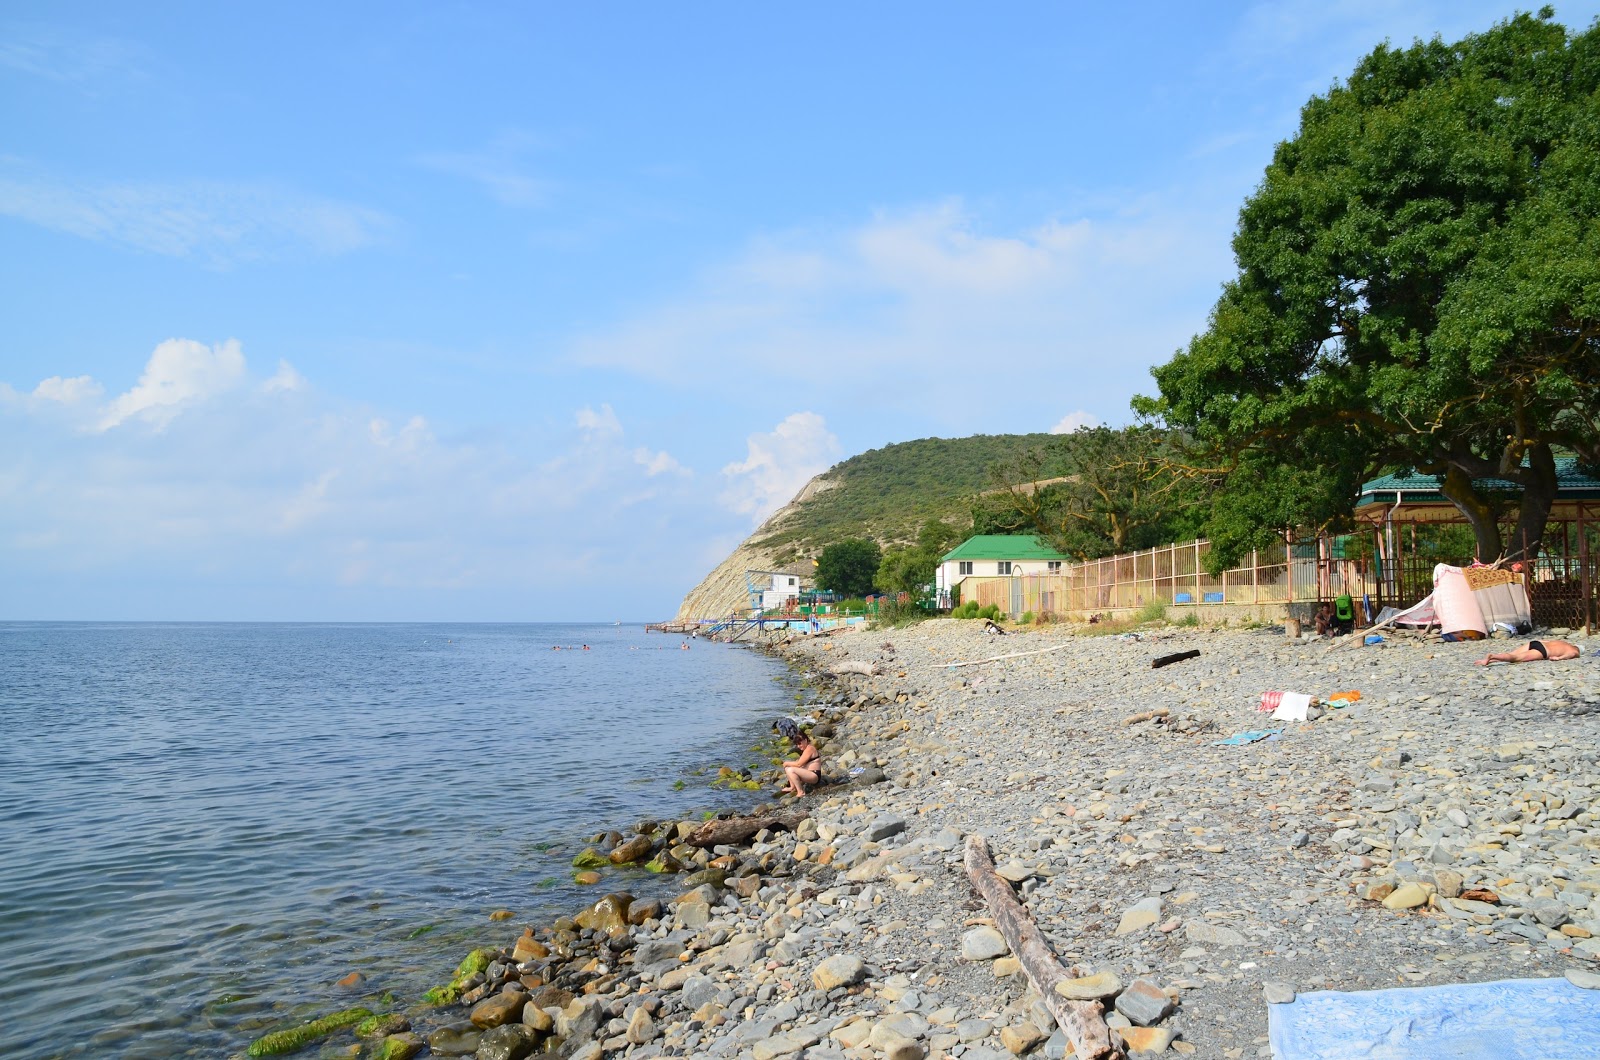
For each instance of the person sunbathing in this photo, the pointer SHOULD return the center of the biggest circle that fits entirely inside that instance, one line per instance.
(1536, 651)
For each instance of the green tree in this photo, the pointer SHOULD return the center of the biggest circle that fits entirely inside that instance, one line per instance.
(1097, 492)
(847, 567)
(911, 569)
(1418, 288)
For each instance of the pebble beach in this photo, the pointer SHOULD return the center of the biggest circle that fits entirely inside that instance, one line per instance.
(1430, 822)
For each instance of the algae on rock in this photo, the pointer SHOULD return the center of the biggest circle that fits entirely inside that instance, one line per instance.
(288, 1041)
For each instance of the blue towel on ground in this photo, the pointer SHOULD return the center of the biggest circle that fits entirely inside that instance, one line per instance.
(1514, 1019)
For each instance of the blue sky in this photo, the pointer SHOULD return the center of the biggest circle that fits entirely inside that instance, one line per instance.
(501, 312)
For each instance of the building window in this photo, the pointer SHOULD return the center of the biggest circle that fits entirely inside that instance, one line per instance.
(1004, 566)
(963, 566)
(1054, 566)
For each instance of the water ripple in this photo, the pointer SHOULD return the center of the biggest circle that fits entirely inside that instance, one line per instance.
(249, 812)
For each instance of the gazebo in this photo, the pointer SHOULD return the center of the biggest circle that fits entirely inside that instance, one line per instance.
(1561, 584)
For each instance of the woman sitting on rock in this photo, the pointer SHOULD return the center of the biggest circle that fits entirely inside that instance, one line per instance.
(807, 769)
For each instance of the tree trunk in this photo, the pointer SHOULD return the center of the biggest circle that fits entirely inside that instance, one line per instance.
(1457, 489)
(1083, 1021)
(739, 830)
(1538, 496)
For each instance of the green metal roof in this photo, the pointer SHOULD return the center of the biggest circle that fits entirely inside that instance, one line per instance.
(1003, 546)
(1571, 482)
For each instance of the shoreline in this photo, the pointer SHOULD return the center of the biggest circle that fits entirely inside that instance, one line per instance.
(1220, 875)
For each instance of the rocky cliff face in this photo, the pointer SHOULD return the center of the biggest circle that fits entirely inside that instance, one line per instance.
(724, 589)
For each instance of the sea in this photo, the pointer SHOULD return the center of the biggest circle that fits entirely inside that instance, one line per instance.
(205, 827)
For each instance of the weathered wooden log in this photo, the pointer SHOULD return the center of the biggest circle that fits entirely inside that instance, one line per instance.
(737, 830)
(1168, 660)
(861, 669)
(1083, 1021)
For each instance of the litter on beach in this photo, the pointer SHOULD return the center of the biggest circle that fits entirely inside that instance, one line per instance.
(1239, 739)
(1513, 1019)
(1168, 660)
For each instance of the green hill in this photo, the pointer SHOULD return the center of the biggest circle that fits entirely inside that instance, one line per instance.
(888, 493)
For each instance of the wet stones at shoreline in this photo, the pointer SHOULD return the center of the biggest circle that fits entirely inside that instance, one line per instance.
(1246, 864)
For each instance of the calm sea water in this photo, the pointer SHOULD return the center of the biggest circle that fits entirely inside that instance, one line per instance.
(203, 827)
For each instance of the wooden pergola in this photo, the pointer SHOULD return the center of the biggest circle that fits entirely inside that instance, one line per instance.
(1562, 582)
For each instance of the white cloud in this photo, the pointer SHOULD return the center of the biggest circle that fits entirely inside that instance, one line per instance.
(180, 372)
(658, 463)
(778, 463)
(68, 391)
(1074, 421)
(938, 314)
(216, 222)
(602, 422)
(252, 491)
(285, 378)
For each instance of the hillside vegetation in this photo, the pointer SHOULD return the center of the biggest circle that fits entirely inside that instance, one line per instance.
(887, 494)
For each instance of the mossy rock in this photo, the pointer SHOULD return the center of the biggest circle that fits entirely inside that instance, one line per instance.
(279, 1042)
(382, 1025)
(473, 963)
(398, 1047)
(590, 859)
(448, 994)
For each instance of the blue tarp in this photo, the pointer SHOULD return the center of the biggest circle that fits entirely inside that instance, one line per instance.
(1514, 1019)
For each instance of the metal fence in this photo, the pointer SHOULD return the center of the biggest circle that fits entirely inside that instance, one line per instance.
(1371, 566)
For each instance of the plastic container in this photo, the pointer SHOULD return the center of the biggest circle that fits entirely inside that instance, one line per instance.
(1373, 638)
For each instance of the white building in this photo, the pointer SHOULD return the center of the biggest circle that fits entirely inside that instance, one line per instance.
(772, 590)
(996, 555)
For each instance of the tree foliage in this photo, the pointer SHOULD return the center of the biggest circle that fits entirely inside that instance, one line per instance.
(1096, 492)
(911, 569)
(847, 568)
(1418, 288)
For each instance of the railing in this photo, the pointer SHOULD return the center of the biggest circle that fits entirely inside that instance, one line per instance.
(1371, 568)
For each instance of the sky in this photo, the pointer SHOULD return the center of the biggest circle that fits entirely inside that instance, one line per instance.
(532, 312)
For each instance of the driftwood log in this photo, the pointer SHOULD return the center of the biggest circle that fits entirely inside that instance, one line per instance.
(1083, 1021)
(861, 669)
(736, 831)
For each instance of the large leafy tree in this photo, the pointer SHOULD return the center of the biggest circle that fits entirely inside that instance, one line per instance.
(911, 569)
(1418, 288)
(848, 567)
(1097, 492)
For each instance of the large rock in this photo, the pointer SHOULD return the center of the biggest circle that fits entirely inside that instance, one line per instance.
(609, 915)
(529, 948)
(1144, 1003)
(641, 1028)
(983, 944)
(1090, 987)
(402, 1046)
(883, 828)
(455, 1039)
(1207, 934)
(498, 1009)
(579, 1021)
(1140, 915)
(844, 969)
(654, 951)
(510, 1042)
(636, 849)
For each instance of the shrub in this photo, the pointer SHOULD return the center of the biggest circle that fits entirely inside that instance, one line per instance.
(1027, 618)
(991, 612)
(1154, 611)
